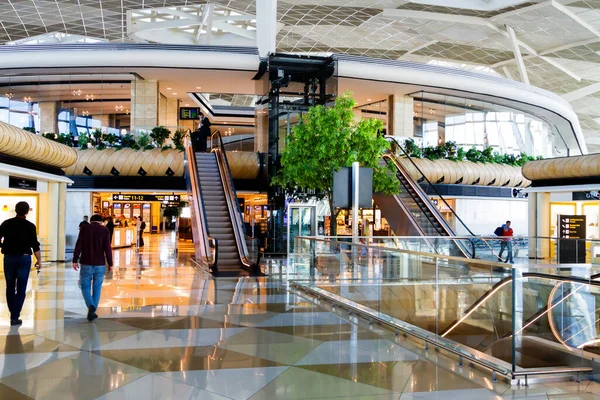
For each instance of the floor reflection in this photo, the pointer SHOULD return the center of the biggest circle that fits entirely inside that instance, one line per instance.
(167, 330)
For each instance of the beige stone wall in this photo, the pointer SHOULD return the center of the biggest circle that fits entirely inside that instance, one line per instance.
(49, 116)
(144, 105)
(168, 112)
(400, 116)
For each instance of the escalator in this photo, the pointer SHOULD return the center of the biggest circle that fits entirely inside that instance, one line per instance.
(551, 327)
(220, 242)
(411, 212)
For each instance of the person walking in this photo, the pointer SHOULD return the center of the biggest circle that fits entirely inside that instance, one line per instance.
(110, 225)
(93, 251)
(141, 229)
(19, 240)
(506, 244)
(84, 222)
(204, 132)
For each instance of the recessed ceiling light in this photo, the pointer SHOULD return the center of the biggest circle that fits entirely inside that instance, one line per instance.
(187, 104)
(198, 87)
(368, 99)
(174, 94)
(225, 123)
(168, 88)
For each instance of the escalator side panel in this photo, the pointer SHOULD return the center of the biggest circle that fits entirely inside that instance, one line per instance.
(399, 220)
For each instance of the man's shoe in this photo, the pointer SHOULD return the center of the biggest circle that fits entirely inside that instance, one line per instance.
(16, 322)
(91, 313)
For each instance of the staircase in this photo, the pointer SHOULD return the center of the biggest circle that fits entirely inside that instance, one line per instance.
(217, 213)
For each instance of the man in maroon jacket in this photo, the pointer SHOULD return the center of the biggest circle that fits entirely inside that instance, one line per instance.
(93, 251)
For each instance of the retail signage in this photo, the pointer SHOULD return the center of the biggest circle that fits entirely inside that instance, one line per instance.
(571, 227)
(189, 113)
(22, 183)
(147, 197)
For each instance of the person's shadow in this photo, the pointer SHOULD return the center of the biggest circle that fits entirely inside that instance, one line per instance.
(13, 345)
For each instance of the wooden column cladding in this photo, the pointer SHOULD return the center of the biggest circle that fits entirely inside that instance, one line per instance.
(18, 143)
(466, 173)
(587, 166)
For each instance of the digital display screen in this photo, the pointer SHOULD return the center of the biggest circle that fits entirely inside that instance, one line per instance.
(189, 113)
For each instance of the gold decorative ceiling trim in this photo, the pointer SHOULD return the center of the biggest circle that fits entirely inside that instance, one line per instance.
(18, 143)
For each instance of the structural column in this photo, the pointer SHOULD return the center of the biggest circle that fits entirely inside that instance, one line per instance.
(48, 221)
(49, 116)
(61, 229)
(400, 116)
(543, 225)
(533, 210)
(168, 112)
(144, 105)
(266, 26)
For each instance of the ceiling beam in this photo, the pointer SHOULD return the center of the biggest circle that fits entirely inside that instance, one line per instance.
(419, 47)
(579, 93)
(562, 68)
(459, 19)
(517, 52)
(574, 17)
(507, 73)
(524, 9)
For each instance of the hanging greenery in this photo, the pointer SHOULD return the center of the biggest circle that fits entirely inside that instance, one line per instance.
(451, 151)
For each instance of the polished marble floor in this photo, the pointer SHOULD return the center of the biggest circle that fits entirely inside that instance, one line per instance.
(169, 331)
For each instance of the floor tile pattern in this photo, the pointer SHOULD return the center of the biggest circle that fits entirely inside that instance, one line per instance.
(169, 331)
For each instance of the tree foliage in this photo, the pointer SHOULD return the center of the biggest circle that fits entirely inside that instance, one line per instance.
(327, 139)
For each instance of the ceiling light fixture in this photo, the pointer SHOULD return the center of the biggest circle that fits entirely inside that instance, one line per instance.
(198, 87)
(89, 97)
(119, 108)
(76, 92)
(9, 95)
(27, 99)
(85, 113)
(174, 94)
(169, 88)
(368, 99)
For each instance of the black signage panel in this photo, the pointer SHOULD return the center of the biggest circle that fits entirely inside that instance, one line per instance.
(22, 183)
(189, 113)
(592, 195)
(342, 188)
(147, 197)
(571, 227)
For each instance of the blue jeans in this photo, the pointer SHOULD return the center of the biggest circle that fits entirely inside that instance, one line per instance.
(508, 246)
(16, 273)
(87, 274)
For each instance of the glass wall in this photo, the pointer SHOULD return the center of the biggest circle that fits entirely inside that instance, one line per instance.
(20, 113)
(470, 123)
(67, 104)
(439, 118)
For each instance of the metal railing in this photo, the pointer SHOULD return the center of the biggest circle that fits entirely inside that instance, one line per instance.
(248, 260)
(518, 316)
(207, 245)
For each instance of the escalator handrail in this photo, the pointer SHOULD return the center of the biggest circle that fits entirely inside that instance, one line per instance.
(504, 281)
(392, 139)
(425, 200)
(231, 198)
(200, 212)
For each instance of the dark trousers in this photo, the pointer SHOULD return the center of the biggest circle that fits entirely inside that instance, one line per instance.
(16, 273)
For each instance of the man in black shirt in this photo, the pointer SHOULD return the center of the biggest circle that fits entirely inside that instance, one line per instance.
(84, 222)
(19, 239)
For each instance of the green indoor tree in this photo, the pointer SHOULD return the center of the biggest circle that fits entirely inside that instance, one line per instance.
(327, 139)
